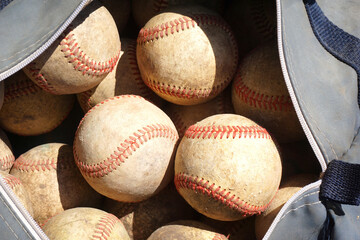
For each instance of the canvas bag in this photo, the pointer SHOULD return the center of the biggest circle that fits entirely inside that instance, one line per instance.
(323, 85)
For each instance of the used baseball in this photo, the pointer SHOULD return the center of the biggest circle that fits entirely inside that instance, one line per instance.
(28, 110)
(227, 167)
(82, 56)
(7, 157)
(124, 146)
(48, 172)
(85, 223)
(187, 55)
(259, 92)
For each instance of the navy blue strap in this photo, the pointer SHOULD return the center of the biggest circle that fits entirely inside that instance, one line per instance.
(341, 183)
(336, 41)
(4, 3)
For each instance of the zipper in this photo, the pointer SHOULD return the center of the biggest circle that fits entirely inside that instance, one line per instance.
(299, 113)
(19, 210)
(303, 123)
(47, 44)
(14, 203)
(286, 206)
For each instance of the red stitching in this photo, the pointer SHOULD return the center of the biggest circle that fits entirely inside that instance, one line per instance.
(160, 5)
(105, 226)
(203, 186)
(264, 26)
(131, 53)
(219, 236)
(12, 181)
(40, 78)
(19, 89)
(84, 99)
(260, 100)
(7, 161)
(79, 59)
(27, 165)
(125, 149)
(213, 131)
(183, 92)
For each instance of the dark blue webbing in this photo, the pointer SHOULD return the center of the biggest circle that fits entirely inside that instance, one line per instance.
(4, 3)
(336, 41)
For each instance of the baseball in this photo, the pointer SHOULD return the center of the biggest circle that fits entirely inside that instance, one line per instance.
(120, 11)
(28, 110)
(125, 79)
(227, 167)
(7, 157)
(186, 230)
(286, 191)
(259, 92)
(19, 190)
(48, 172)
(82, 56)
(187, 55)
(124, 146)
(85, 223)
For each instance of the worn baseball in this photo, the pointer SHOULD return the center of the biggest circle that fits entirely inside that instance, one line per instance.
(227, 167)
(253, 22)
(48, 172)
(125, 79)
(143, 218)
(186, 230)
(187, 55)
(185, 116)
(259, 92)
(7, 157)
(85, 223)
(286, 191)
(144, 10)
(28, 110)
(124, 147)
(19, 190)
(84, 54)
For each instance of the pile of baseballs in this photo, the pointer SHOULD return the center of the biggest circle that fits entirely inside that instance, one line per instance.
(155, 120)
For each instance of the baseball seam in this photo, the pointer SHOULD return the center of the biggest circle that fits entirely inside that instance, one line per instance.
(79, 59)
(260, 100)
(233, 132)
(7, 162)
(12, 181)
(171, 27)
(19, 89)
(85, 100)
(200, 185)
(132, 60)
(105, 226)
(126, 148)
(218, 236)
(264, 26)
(40, 79)
(24, 164)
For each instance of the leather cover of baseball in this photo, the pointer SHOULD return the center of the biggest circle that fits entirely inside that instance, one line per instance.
(187, 55)
(28, 110)
(124, 147)
(85, 223)
(227, 167)
(7, 157)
